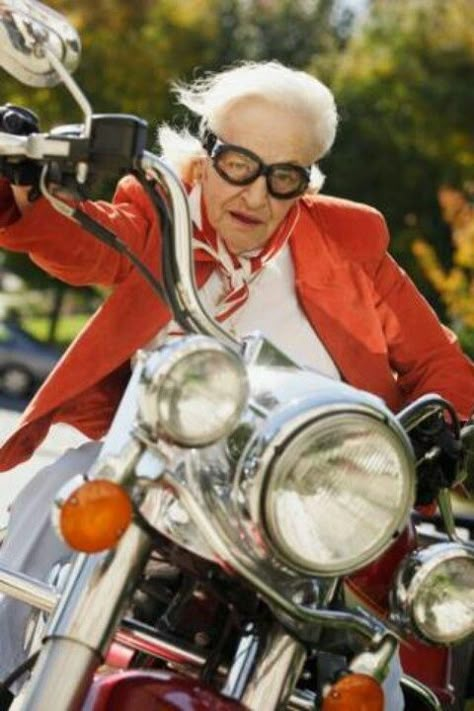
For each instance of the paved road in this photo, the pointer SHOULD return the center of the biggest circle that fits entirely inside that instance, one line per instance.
(60, 438)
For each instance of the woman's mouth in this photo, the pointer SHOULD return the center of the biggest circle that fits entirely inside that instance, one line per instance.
(244, 219)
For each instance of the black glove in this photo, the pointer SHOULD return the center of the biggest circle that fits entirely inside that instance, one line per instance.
(19, 122)
(438, 452)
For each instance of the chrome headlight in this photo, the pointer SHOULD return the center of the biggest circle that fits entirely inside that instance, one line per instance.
(192, 391)
(329, 486)
(433, 593)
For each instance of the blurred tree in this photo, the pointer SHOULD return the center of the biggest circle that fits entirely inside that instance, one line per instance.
(404, 88)
(292, 31)
(456, 284)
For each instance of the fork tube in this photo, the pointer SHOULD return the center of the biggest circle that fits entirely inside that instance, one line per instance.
(84, 622)
(265, 669)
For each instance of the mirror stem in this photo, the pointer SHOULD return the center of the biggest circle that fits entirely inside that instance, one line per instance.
(73, 89)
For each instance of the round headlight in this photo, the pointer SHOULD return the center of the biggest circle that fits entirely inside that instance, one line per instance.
(332, 493)
(193, 391)
(434, 593)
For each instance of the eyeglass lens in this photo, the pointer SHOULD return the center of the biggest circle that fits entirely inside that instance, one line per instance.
(240, 168)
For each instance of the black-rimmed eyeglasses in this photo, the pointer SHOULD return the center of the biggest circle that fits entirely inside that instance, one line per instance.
(239, 166)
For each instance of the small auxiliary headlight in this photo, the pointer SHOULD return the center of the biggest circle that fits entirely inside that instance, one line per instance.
(192, 391)
(433, 594)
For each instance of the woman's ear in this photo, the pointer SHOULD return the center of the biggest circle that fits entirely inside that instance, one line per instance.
(196, 170)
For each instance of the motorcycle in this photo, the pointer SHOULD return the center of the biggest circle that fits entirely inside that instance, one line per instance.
(241, 506)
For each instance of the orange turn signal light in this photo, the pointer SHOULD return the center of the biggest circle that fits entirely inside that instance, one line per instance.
(354, 692)
(94, 516)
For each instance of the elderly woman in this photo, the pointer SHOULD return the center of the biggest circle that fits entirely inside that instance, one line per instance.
(310, 272)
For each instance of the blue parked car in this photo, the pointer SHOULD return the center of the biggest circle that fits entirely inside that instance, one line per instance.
(24, 361)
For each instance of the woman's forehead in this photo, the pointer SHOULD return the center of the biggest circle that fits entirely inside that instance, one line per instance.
(274, 132)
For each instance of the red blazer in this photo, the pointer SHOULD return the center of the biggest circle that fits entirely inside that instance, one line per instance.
(380, 332)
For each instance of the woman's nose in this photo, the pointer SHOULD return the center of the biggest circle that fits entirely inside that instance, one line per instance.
(256, 193)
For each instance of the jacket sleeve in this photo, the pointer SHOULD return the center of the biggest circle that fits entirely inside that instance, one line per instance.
(424, 354)
(65, 250)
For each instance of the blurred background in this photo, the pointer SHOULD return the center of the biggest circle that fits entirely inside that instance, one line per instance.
(402, 72)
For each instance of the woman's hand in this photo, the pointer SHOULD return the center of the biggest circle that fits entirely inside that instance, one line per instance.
(22, 176)
(21, 195)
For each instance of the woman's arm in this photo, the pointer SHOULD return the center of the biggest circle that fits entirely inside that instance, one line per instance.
(425, 355)
(63, 248)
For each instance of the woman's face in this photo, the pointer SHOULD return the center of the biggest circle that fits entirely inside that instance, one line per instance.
(246, 216)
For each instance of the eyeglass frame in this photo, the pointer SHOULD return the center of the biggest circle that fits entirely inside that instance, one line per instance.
(214, 147)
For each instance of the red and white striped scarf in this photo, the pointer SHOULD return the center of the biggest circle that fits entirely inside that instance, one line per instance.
(236, 271)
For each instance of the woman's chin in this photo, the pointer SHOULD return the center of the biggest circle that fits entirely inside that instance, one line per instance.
(239, 240)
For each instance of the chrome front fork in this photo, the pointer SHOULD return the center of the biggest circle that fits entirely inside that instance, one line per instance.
(83, 624)
(265, 669)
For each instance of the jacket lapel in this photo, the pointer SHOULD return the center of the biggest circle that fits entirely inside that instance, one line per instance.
(337, 298)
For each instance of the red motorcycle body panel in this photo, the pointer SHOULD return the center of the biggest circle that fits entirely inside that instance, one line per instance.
(372, 583)
(430, 665)
(154, 691)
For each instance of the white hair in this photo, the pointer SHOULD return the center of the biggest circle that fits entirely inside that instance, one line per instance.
(209, 97)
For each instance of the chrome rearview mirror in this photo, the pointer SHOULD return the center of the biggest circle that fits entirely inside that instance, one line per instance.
(29, 31)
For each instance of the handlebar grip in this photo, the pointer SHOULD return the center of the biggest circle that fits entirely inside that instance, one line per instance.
(18, 120)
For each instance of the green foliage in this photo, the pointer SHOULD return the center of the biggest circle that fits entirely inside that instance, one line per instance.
(404, 87)
(466, 340)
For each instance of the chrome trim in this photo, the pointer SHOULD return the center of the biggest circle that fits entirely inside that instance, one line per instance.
(410, 578)
(258, 350)
(157, 646)
(423, 691)
(60, 679)
(417, 412)
(302, 701)
(118, 467)
(242, 665)
(273, 386)
(26, 589)
(447, 514)
(375, 663)
(74, 89)
(264, 672)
